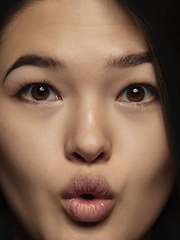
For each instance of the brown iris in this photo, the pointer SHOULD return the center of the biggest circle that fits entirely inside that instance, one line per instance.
(40, 92)
(135, 94)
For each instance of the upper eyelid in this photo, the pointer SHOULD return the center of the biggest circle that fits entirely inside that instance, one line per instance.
(25, 87)
(28, 86)
(146, 85)
(143, 84)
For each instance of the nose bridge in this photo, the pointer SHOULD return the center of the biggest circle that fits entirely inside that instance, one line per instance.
(89, 139)
(90, 124)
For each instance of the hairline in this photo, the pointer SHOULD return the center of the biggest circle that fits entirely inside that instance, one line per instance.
(12, 14)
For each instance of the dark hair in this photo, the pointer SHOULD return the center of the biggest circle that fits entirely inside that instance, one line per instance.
(159, 20)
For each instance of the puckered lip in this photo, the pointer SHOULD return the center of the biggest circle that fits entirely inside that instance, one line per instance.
(88, 184)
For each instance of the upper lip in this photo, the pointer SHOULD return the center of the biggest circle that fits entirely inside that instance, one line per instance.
(88, 184)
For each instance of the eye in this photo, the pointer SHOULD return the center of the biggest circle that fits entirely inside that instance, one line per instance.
(138, 93)
(38, 92)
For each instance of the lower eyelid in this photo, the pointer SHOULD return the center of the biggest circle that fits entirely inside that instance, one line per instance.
(134, 105)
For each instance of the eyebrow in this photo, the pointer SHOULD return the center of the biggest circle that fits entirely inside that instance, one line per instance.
(126, 61)
(37, 61)
(131, 60)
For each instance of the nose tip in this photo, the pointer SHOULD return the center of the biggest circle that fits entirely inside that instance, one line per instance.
(90, 148)
(88, 137)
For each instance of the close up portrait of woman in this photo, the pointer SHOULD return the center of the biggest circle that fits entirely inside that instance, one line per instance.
(89, 120)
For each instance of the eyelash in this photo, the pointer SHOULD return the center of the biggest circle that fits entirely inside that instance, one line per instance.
(147, 86)
(22, 88)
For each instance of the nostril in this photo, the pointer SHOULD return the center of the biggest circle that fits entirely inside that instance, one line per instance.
(88, 157)
(87, 196)
(100, 155)
(78, 156)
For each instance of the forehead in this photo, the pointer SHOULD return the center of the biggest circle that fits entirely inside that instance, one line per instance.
(57, 25)
(77, 11)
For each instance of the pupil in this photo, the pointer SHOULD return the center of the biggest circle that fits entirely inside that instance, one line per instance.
(40, 92)
(135, 94)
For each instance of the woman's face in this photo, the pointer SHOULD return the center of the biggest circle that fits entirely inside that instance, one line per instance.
(83, 147)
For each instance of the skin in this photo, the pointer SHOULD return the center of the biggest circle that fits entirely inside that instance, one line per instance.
(39, 139)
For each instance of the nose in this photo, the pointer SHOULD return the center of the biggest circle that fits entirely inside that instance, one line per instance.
(88, 140)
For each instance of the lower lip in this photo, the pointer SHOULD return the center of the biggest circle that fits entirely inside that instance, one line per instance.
(88, 210)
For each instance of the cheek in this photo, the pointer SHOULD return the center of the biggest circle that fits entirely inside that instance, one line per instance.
(23, 156)
(142, 169)
(30, 167)
(31, 148)
(140, 139)
(16, 169)
(150, 167)
(143, 150)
